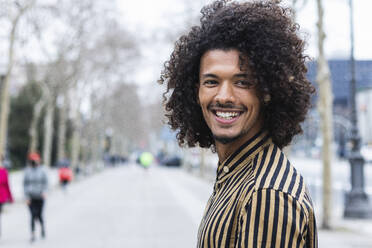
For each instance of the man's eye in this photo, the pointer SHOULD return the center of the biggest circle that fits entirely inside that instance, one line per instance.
(210, 82)
(245, 83)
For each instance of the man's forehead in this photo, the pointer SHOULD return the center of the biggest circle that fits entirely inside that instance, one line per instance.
(218, 59)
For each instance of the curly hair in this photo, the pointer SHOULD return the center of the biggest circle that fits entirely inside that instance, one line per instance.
(262, 31)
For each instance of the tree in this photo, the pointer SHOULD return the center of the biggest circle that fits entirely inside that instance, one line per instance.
(90, 51)
(67, 63)
(21, 9)
(298, 5)
(325, 109)
(122, 107)
(100, 55)
(19, 123)
(37, 107)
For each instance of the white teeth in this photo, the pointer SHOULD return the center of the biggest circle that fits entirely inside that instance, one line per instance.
(227, 115)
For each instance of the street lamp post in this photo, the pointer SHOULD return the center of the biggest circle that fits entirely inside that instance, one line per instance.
(357, 204)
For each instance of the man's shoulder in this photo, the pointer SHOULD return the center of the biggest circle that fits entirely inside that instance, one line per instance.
(274, 171)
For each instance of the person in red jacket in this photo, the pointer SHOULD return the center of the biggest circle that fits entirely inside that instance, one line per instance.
(5, 194)
(65, 173)
(65, 176)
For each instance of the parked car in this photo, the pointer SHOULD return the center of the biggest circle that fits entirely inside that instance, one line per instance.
(171, 161)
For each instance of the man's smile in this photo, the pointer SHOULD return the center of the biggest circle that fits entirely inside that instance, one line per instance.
(226, 115)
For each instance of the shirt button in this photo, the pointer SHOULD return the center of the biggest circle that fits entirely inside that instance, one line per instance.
(226, 169)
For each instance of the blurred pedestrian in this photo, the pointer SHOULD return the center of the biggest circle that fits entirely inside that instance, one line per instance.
(35, 184)
(5, 193)
(65, 176)
(237, 84)
(146, 159)
(65, 173)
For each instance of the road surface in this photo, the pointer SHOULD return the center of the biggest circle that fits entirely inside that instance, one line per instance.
(120, 207)
(129, 207)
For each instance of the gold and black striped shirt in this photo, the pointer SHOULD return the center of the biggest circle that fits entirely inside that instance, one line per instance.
(259, 200)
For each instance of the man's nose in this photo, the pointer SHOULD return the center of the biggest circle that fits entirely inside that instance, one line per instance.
(225, 93)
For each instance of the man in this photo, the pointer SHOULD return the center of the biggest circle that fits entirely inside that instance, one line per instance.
(35, 183)
(237, 84)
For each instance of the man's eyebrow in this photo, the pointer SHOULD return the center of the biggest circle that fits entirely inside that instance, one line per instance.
(209, 75)
(245, 75)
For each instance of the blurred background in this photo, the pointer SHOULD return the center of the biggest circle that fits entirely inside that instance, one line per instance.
(78, 83)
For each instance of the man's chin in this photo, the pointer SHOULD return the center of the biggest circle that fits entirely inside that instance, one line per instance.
(225, 139)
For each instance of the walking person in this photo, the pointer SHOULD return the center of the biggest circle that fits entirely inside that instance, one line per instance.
(237, 84)
(65, 173)
(35, 184)
(146, 160)
(5, 193)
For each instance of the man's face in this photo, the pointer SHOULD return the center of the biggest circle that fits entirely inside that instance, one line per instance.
(227, 96)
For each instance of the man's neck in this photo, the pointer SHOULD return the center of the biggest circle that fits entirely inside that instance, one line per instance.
(225, 150)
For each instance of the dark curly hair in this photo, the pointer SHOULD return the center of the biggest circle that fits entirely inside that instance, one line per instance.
(261, 31)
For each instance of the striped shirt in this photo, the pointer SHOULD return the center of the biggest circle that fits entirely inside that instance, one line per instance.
(259, 200)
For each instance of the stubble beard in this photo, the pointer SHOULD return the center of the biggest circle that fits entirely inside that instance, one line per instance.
(226, 140)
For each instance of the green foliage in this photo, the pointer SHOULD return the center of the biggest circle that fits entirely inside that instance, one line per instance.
(21, 109)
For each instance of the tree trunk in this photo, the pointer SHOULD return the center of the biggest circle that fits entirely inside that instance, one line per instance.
(76, 132)
(93, 149)
(48, 133)
(325, 110)
(96, 152)
(33, 131)
(75, 147)
(4, 115)
(202, 162)
(61, 147)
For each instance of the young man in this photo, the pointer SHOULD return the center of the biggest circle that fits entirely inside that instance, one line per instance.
(35, 184)
(237, 83)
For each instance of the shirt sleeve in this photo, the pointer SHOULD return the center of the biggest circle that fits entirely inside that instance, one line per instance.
(273, 218)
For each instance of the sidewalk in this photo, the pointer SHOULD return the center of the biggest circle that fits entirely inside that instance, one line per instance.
(346, 234)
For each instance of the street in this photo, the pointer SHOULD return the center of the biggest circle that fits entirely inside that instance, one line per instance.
(120, 207)
(128, 206)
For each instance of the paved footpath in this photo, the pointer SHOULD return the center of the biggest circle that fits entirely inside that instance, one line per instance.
(130, 207)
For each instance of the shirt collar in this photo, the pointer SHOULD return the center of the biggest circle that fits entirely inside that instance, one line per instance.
(244, 153)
